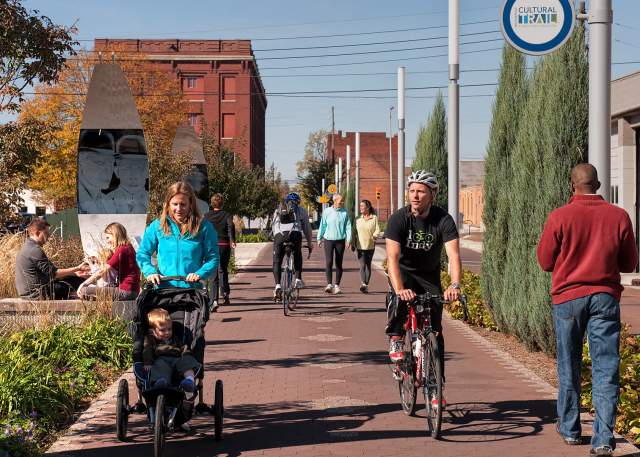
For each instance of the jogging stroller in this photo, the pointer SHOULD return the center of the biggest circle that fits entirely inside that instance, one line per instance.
(169, 407)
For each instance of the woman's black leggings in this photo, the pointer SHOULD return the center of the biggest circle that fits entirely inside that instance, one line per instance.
(331, 247)
(365, 256)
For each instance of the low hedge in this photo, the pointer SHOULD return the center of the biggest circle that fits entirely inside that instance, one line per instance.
(45, 375)
(479, 314)
(259, 237)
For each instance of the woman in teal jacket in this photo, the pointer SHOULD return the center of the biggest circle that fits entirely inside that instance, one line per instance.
(185, 243)
(335, 233)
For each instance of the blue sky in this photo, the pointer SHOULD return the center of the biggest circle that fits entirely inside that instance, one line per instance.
(289, 119)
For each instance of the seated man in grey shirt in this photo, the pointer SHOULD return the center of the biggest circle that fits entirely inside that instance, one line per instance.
(37, 278)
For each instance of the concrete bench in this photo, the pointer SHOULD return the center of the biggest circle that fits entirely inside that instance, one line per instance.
(69, 309)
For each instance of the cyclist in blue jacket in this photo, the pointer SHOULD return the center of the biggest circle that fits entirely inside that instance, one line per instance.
(185, 243)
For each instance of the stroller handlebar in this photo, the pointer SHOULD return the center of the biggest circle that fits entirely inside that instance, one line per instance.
(201, 282)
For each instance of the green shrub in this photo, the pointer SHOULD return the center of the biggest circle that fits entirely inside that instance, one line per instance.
(46, 374)
(479, 314)
(259, 237)
(628, 419)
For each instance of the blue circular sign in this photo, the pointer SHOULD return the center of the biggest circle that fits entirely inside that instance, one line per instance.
(537, 26)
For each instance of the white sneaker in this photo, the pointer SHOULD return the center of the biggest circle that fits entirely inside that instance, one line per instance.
(328, 289)
(336, 290)
(185, 427)
(277, 292)
(299, 284)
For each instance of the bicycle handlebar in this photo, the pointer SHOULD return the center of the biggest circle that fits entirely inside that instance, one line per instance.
(439, 299)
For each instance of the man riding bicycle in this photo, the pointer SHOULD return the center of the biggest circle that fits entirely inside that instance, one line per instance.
(414, 236)
(290, 222)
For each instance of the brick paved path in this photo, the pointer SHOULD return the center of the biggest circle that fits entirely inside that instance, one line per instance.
(318, 384)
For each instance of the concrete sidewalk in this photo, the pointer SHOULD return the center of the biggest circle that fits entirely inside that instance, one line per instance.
(318, 383)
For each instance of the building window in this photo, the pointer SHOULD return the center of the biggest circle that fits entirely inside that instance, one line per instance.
(192, 82)
(228, 125)
(23, 209)
(40, 211)
(228, 88)
(193, 119)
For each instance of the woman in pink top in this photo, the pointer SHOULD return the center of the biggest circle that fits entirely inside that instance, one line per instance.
(121, 266)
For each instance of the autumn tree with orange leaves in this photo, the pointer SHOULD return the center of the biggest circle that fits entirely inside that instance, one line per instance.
(59, 109)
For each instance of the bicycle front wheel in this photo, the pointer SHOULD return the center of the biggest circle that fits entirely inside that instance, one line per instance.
(407, 385)
(433, 386)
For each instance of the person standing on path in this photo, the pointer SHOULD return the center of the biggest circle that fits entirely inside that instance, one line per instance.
(185, 243)
(223, 223)
(586, 244)
(335, 233)
(367, 230)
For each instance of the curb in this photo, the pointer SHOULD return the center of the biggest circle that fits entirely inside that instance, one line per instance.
(623, 446)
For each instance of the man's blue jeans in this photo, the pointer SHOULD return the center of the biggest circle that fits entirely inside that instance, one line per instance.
(599, 316)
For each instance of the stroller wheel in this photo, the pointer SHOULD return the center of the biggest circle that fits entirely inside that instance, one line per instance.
(158, 429)
(218, 410)
(122, 410)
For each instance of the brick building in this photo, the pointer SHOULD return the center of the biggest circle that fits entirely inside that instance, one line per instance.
(221, 81)
(374, 164)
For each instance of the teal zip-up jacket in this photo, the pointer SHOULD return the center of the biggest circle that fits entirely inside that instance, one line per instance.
(335, 225)
(179, 255)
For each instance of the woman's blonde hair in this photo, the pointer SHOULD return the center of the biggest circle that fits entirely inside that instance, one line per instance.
(158, 316)
(104, 255)
(118, 232)
(192, 225)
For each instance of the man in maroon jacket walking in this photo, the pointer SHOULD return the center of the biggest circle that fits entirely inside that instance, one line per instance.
(586, 244)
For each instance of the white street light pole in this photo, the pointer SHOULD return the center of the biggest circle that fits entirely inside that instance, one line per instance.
(339, 174)
(600, 19)
(454, 117)
(348, 167)
(390, 166)
(356, 210)
(400, 137)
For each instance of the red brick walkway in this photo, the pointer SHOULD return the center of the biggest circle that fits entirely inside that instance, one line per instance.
(318, 384)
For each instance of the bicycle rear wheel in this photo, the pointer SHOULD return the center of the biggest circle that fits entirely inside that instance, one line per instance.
(286, 290)
(433, 386)
(407, 385)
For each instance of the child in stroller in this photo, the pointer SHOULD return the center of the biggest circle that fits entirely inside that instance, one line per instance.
(163, 355)
(168, 354)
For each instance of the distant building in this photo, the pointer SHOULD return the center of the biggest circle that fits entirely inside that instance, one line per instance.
(625, 145)
(221, 81)
(471, 192)
(374, 165)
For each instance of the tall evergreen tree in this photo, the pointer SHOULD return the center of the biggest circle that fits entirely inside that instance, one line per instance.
(509, 103)
(431, 149)
(552, 138)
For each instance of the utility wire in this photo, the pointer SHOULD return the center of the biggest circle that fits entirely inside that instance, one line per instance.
(386, 17)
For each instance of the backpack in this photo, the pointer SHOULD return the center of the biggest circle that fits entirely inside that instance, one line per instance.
(288, 213)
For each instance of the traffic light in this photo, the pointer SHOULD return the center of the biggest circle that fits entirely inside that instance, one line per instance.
(378, 193)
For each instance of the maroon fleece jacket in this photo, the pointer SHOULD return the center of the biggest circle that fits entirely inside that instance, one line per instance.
(586, 244)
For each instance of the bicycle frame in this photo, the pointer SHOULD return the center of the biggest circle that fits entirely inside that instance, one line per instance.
(420, 324)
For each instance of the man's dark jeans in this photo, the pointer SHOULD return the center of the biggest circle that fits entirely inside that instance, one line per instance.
(599, 316)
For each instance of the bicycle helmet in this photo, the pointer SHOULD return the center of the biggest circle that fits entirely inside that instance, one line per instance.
(423, 177)
(293, 197)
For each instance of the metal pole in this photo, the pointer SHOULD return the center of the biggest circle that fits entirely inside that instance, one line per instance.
(333, 134)
(348, 167)
(454, 118)
(600, 19)
(324, 205)
(339, 174)
(390, 165)
(400, 137)
(335, 174)
(356, 210)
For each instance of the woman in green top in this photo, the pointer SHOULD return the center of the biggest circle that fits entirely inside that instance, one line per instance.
(367, 231)
(335, 233)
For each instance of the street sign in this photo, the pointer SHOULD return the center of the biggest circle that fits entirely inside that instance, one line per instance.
(332, 189)
(537, 27)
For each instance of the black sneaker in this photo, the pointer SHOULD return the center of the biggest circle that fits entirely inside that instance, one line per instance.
(568, 441)
(225, 300)
(601, 451)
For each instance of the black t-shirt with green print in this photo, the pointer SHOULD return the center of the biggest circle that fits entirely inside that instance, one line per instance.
(421, 241)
